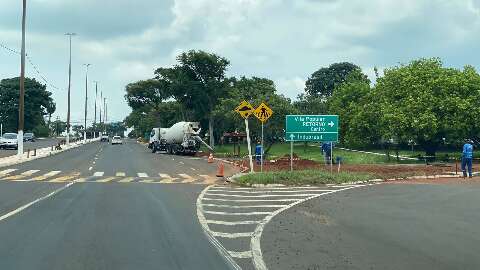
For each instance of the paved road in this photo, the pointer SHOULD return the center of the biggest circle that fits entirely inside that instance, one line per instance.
(388, 226)
(127, 209)
(39, 143)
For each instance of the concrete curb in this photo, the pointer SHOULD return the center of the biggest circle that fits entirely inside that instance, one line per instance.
(41, 153)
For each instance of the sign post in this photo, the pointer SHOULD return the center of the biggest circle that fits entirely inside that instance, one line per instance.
(245, 109)
(263, 113)
(311, 128)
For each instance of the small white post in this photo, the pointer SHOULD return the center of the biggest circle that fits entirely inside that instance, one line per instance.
(331, 157)
(261, 153)
(291, 156)
(249, 145)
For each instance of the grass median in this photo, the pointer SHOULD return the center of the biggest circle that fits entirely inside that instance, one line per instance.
(306, 177)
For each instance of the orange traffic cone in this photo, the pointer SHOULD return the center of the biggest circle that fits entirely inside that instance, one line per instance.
(220, 169)
(210, 158)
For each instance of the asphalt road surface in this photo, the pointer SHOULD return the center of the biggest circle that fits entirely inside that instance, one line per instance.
(127, 209)
(387, 226)
(39, 143)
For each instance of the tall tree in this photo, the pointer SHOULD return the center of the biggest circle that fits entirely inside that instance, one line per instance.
(322, 82)
(198, 81)
(38, 103)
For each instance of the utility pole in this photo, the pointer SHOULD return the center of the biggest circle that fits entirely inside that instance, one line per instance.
(67, 140)
(21, 105)
(101, 101)
(105, 113)
(86, 102)
(95, 118)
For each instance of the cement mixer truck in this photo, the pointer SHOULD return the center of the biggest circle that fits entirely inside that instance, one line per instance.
(181, 138)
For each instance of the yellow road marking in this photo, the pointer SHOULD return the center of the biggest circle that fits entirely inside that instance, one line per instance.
(105, 180)
(126, 180)
(64, 178)
(46, 176)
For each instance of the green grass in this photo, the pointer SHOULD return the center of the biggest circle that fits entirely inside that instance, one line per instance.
(298, 178)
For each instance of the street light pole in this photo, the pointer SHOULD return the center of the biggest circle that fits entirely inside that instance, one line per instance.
(21, 105)
(105, 114)
(95, 118)
(86, 100)
(67, 140)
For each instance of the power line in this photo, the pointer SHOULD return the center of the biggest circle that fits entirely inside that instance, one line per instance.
(37, 70)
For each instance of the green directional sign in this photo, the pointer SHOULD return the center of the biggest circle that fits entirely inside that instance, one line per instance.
(311, 128)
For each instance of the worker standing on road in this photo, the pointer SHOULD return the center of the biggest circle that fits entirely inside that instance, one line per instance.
(327, 152)
(467, 156)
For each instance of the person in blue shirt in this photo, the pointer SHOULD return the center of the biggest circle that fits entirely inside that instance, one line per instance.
(467, 157)
(327, 152)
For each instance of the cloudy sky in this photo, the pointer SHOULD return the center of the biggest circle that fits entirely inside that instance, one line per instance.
(284, 40)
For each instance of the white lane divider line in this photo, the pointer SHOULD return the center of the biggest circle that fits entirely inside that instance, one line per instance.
(240, 200)
(237, 213)
(99, 174)
(243, 206)
(20, 209)
(142, 175)
(261, 196)
(90, 168)
(233, 223)
(5, 172)
(30, 172)
(241, 254)
(232, 235)
(271, 191)
(126, 180)
(120, 174)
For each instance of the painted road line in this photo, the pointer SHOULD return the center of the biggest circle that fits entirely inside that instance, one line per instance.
(6, 172)
(241, 254)
(187, 178)
(260, 200)
(126, 180)
(99, 174)
(106, 180)
(30, 172)
(265, 188)
(233, 223)
(208, 179)
(243, 206)
(237, 214)
(232, 235)
(46, 176)
(64, 178)
(20, 209)
(120, 174)
(272, 191)
(262, 196)
(90, 168)
(148, 181)
(166, 179)
(80, 180)
(142, 175)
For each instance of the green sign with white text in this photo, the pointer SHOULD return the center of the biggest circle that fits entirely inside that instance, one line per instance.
(311, 128)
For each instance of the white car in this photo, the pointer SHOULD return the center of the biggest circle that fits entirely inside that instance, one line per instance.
(116, 140)
(9, 140)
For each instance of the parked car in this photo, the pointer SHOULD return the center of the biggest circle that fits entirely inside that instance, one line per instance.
(104, 138)
(9, 140)
(28, 137)
(116, 140)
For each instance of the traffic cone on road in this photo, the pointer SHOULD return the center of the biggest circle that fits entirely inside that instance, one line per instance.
(210, 158)
(220, 169)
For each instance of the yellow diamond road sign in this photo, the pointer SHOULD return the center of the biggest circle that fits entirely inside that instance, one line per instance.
(245, 109)
(263, 112)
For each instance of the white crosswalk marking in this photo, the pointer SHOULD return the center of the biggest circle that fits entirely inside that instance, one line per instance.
(120, 174)
(99, 174)
(5, 172)
(187, 178)
(126, 180)
(47, 175)
(30, 172)
(142, 175)
(246, 211)
(163, 175)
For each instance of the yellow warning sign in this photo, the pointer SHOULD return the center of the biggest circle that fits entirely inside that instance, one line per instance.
(263, 112)
(245, 109)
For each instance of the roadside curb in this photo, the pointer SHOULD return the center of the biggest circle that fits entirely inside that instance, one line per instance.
(41, 153)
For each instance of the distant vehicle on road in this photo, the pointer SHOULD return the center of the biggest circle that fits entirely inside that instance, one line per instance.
(29, 137)
(9, 140)
(117, 140)
(181, 138)
(104, 138)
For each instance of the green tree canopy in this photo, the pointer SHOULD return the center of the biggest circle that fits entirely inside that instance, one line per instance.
(323, 82)
(38, 103)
